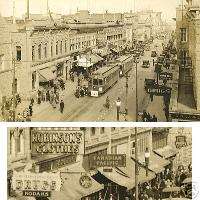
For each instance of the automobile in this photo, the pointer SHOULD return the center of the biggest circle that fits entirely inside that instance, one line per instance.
(146, 64)
(153, 54)
(149, 83)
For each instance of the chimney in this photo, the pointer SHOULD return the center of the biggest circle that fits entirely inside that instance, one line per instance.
(28, 13)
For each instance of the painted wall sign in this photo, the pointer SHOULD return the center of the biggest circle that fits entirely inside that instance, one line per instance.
(55, 142)
(109, 160)
(28, 181)
(37, 193)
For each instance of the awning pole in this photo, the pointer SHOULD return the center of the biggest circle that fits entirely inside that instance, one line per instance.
(136, 165)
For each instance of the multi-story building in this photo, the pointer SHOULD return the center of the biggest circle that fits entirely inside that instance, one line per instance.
(32, 53)
(186, 105)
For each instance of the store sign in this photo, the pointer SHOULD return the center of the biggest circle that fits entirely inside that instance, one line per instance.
(56, 142)
(165, 75)
(28, 181)
(185, 116)
(180, 141)
(37, 193)
(158, 90)
(109, 160)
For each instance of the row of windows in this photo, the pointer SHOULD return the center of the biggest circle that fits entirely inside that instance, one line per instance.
(115, 37)
(43, 49)
(80, 45)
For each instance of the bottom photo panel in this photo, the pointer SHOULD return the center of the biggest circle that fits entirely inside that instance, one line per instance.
(99, 163)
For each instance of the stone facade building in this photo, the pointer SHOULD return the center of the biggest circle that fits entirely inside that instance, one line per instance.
(188, 55)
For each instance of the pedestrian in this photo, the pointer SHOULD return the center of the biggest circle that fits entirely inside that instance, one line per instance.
(151, 96)
(154, 118)
(32, 101)
(166, 110)
(148, 117)
(62, 105)
(30, 110)
(47, 95)
(39, 97)
(144, 116)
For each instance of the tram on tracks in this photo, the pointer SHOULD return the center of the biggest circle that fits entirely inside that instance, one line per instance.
(103, 79)
(125, 63)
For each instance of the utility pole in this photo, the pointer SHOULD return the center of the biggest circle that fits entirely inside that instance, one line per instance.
(126, 103)
(136, 90)
(136, 165)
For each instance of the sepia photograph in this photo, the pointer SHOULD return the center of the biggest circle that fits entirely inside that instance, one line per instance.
(99, 163)
(98, 60)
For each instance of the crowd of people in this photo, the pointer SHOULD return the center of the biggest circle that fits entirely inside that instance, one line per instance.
(147, 117)
(167, 184)
(54, 94)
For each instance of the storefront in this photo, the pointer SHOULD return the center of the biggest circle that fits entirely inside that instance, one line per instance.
(77, 186)
(156, 163)
(119, 181)
(168, 152)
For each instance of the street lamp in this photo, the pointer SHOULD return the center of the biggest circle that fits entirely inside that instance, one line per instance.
(118, 105)
(136, 92)
(147, 156)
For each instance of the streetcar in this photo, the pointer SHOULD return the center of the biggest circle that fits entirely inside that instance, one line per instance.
(103, 79)
(125, 63)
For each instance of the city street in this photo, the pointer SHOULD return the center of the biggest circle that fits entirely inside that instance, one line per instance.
(92, 108)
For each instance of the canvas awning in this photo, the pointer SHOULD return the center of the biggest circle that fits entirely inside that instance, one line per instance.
(72, 190)
(125, 176)
(166, 152)
(156, 163)
(46, 74)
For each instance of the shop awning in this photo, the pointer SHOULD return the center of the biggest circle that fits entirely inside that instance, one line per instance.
(46, 75)
(167, 151)
(72, 190)
(125, 176)
(156, 163)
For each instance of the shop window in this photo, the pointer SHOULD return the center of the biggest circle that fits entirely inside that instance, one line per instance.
(183, 34)
(33, 53)
(56, 48)
(102, 130)
(61, 47)
(114, 150)
(93, 131)
(18, 145)
(39, 51)
(45, 50)
(33, 80)
(65, 46)
(19, 53)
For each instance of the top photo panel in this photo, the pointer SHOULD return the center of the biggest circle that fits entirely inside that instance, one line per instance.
(99, 60)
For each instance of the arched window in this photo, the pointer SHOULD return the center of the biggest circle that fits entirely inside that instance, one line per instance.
(12, 143)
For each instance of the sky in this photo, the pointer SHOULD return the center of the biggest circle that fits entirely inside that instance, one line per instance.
(70, 6)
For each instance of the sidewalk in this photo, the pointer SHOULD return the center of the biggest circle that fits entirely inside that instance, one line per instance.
(44, 106)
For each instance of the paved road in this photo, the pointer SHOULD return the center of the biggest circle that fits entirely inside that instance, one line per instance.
(92, 109)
